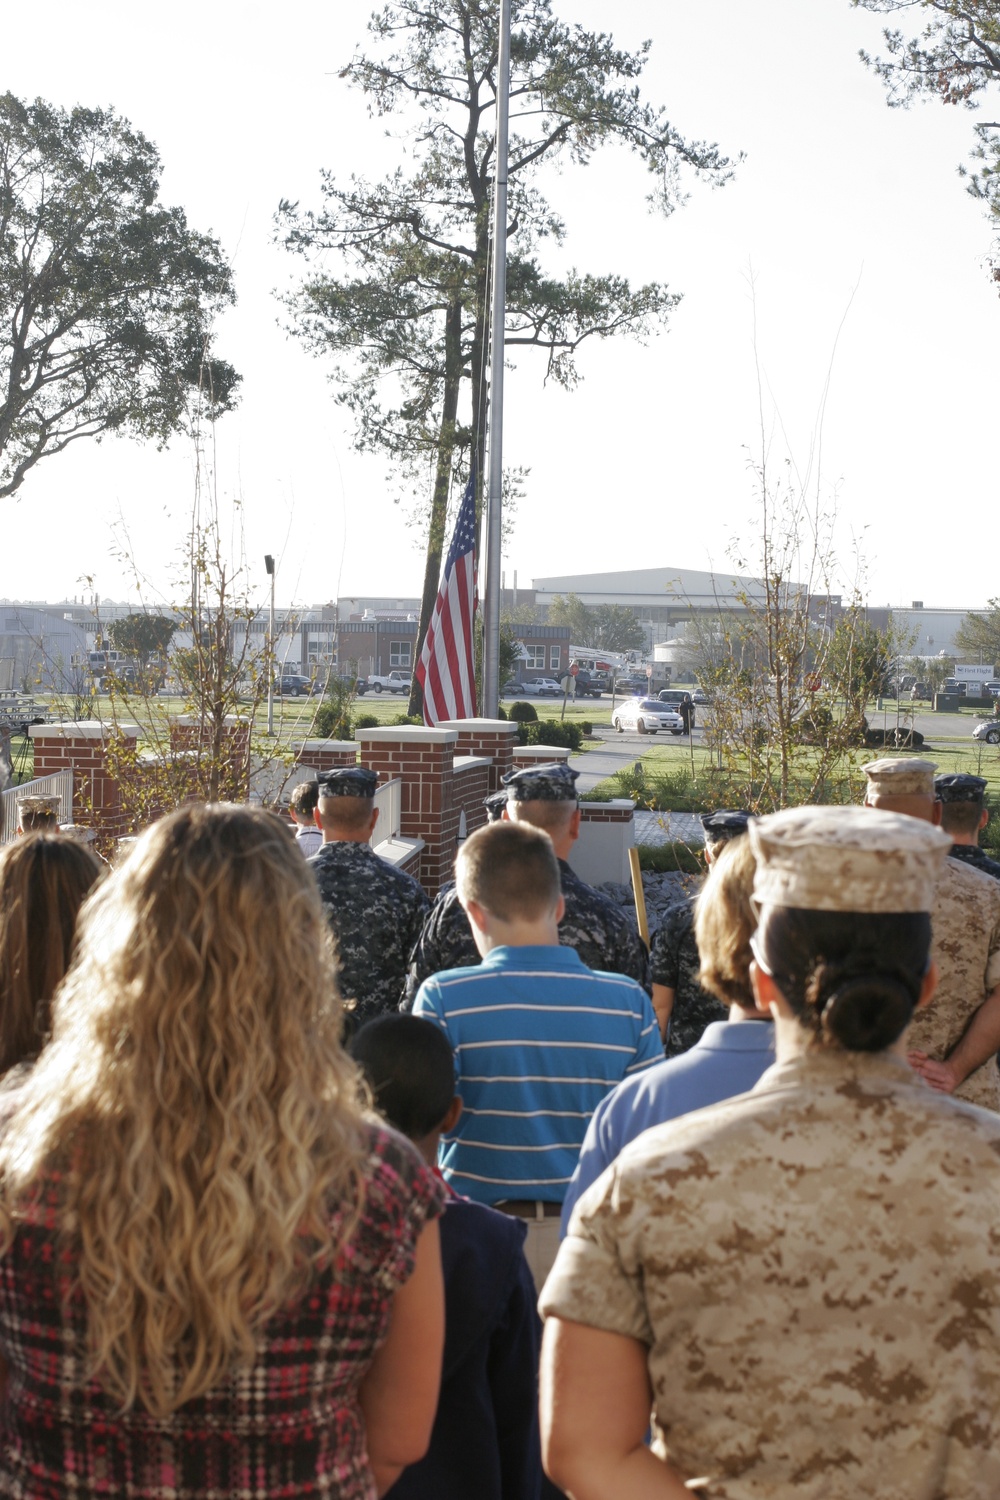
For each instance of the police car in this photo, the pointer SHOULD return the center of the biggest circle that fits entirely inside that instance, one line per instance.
(646, 716)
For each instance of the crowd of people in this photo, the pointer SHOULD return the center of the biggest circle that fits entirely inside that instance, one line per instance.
(295, 1164)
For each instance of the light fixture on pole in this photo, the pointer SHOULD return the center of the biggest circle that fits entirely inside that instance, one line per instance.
(269, 566)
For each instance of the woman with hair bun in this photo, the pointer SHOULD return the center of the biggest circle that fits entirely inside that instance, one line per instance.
(803, 1282)
(219, 1276)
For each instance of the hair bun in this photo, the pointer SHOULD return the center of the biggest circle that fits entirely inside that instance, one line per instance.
(865, 1012)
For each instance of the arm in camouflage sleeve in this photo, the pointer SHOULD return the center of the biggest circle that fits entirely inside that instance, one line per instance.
(980, 1042)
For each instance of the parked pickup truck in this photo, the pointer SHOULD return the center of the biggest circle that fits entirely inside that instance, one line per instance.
(590, 684)
(395, 682)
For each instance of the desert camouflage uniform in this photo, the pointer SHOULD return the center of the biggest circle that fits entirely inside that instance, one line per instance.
(376, 913)
(966, 925)
(674, 962)
(599, 930)
(814, 1268)
(971, 854)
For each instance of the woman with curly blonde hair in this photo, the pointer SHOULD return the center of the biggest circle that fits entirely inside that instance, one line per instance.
(219, 1276)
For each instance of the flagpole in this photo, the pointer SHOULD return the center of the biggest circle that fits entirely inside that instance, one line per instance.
(491, 589)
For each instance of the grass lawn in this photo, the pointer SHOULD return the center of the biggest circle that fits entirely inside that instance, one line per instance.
(294, 718)
(670, 766)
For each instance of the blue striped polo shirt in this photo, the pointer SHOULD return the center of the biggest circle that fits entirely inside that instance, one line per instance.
(539, 1039)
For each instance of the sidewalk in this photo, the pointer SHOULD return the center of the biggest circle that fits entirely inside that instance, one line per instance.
(650, 827)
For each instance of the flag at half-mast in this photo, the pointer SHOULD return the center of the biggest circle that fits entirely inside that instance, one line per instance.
(446, 670)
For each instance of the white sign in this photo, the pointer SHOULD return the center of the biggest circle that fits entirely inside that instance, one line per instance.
(974, 674)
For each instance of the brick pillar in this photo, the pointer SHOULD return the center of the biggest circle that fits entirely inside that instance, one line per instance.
(493, 737)
(325, 755)
(539, 755)
(83, 749)
(192, 732)
(423, 759)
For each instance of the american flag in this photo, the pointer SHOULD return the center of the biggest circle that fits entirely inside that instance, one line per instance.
(446, 670)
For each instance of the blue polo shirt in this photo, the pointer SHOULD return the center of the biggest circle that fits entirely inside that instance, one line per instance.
(539, 1040)
(727, 1060)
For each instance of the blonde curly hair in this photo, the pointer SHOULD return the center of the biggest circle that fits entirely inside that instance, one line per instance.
(205, 1122)
(724, 923)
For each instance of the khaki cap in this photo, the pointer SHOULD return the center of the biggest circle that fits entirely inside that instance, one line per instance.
(847, 859)
(900, 776)
(39, 804)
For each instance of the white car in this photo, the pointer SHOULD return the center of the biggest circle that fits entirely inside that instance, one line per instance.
(990, 732)
(646, 716)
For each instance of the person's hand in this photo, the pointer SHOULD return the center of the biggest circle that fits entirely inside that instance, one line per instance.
(939, 1075)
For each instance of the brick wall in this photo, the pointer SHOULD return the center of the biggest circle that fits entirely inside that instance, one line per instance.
(619, 811)
(189, 733)
(83, 748)
(423, 759)
(325, 755)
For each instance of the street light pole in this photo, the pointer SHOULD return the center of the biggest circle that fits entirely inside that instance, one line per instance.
(269, 565)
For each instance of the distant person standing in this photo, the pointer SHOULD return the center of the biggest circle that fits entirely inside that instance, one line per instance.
(375, 910)
(600, 932)
(38, 814)
(302, 806)
(952, 1042)
(682, 1007)
(687, 712)
(963, 817)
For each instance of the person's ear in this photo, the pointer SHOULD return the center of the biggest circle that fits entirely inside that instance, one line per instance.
(927, 987)
(573, 830)
(371, 825)
(477, 915)
(452, 1116)
(937, 811)
(766, 993)
(317, 819)
(984, 818)
(560, 911)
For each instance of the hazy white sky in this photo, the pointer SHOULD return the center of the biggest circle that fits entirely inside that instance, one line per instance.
(843, 213)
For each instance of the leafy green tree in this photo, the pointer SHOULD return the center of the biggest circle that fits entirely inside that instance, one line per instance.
(979, 634)
(569, 609)
(955, 58)
(406, 320)
(859, 662)
(614, 627)
(140, 636)
(604, 627)
(106, 295)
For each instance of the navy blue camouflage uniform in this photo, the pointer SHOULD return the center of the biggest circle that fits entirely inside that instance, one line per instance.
(376, 911)
(971, 854)
(592, 924)
(674, 962)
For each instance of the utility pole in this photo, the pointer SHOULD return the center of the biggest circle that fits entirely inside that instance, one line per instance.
(491, 591)
(269, 565)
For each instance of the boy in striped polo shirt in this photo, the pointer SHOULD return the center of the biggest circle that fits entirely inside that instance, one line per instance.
(538, 1038)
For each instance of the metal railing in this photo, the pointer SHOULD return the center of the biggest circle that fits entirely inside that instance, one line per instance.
(59, 784)
(389, 801)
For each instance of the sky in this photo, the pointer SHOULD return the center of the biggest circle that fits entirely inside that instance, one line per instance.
(837, 316)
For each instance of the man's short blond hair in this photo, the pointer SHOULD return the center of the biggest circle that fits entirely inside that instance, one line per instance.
(552, 816)
(511, 870)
